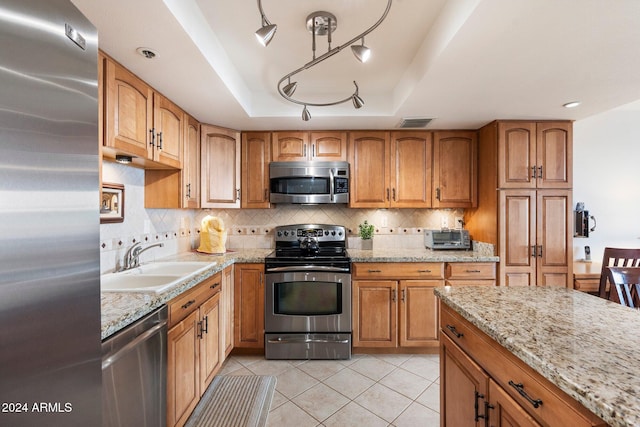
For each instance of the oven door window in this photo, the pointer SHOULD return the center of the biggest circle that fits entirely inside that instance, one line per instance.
(307, 298)
(301, 185)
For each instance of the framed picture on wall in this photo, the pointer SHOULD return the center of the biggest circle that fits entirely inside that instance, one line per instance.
(112, 203)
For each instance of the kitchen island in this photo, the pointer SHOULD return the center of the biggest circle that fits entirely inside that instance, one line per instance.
(584, 345)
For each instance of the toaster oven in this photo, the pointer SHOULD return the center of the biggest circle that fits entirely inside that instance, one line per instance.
(447, 239)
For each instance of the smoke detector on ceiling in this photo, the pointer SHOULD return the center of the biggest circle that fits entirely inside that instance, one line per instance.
(414, 122)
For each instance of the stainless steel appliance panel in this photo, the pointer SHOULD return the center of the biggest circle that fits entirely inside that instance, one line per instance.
(308, 346)
(309, 182)
(134, 374)
(309, 316)
(49, 220)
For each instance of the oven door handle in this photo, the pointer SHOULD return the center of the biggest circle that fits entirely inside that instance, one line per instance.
(307, 268)
(304, 340)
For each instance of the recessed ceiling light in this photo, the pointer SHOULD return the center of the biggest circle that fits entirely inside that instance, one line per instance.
(147, 52)
(571, 104)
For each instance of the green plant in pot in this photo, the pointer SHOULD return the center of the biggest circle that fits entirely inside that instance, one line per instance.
(366, 231)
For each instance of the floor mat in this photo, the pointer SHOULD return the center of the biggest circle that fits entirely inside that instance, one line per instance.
(235, 401)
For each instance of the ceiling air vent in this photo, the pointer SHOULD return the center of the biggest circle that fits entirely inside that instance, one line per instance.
(414, 122)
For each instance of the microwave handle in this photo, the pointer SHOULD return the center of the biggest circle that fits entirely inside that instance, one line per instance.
(331, 184)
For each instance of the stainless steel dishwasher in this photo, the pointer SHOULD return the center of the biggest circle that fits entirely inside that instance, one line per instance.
(134, 374)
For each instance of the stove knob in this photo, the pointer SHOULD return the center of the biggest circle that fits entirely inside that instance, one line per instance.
(339, 233)
(326, 232)
(333, 233)
(286, 233)
(279, 233)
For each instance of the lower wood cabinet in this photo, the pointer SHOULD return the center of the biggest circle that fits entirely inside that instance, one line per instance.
(480, 379)
(470, 273)
(248, 314)
(392, 313)
(226, 302)
(194, 354)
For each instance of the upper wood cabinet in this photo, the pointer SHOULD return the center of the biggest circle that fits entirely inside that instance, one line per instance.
(369, 151)
(455, 160)
(535, 155)
(304, 146)
(140, 122)
(176, 189)
(191, 165)
(256, 155)
(220, 167)
(167, 134)
(128, 111)
(390, 169)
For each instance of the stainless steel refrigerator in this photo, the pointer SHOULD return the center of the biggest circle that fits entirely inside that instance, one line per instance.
(50, 371)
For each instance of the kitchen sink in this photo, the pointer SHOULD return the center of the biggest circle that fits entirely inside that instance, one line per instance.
(153, 277)
(173, 268)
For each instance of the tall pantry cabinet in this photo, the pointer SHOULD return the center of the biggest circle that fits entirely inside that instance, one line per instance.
(525, 181)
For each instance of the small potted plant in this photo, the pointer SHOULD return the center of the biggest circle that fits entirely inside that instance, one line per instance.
(366, 234)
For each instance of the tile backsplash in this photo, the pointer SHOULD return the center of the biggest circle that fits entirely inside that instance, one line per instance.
(178, 229)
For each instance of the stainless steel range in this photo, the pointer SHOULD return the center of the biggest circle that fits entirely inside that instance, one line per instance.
(308, 294)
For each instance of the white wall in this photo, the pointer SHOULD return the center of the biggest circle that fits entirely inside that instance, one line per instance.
(606, 177)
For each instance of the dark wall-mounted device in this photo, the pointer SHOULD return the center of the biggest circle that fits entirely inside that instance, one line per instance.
(582, 217)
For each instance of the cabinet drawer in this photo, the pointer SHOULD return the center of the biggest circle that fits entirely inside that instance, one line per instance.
(479, 282)
(471, 270)
(181, 306)
(556, 407)
(398, 270)
(586, 285)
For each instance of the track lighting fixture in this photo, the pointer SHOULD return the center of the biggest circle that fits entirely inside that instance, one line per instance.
(319, 24)
(361, 52)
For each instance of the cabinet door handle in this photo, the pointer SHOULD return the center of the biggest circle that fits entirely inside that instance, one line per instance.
(188, 303)
(387, 194)
(540, 251)
(304, 150)
(152, 139)
(313, 150)
(403, 295)
(205, 327)
(394, 194)
(473, 271)
(438, 193)
(160, 140)
(266, 195)
(374, 271)
(215, 285)
(487, 406)
(540, 172)
(533, 251)
(393, 295)
(199, 332)
(520, 389)
(188, 191)
(533, 172)
(237, 194)
(477, 416)
(424, 271)
(454, 331)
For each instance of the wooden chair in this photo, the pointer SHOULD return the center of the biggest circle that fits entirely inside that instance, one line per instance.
(616, 257)
(625, 285)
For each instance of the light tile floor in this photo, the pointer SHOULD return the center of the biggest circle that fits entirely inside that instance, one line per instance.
(367, 391)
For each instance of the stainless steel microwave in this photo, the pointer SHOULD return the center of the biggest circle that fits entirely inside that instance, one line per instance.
(309, 182)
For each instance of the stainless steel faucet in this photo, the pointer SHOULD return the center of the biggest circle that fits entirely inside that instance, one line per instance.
(132, 256)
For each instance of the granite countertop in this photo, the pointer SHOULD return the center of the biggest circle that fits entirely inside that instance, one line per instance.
(120, 309)
(585, 345)
(421, 255)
